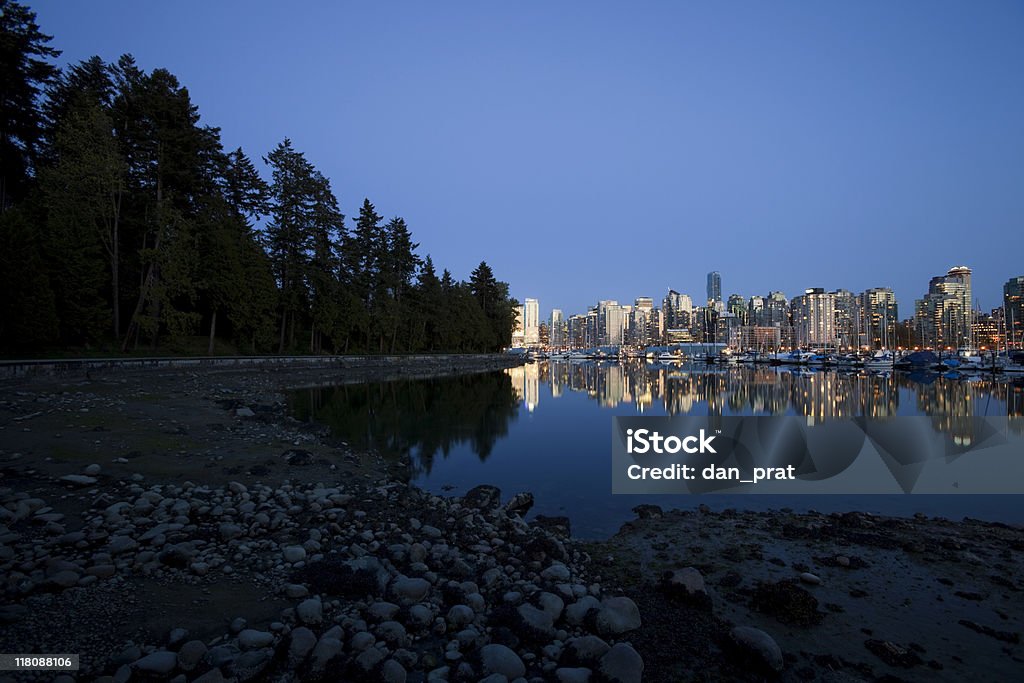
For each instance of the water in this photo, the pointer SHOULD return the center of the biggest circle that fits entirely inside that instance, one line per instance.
(546, 428)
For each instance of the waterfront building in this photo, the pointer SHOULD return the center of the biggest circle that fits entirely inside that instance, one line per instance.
(677, 309)
(752, 337)
(1013, 307)
(814, 318)
(531, 322)
(558, 330)
(878, 316)
(714, 287)
(944, 316)
(847, 328)
(737, 305)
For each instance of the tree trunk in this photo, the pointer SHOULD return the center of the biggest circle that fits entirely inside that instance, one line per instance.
(213, 332)
(284, 322)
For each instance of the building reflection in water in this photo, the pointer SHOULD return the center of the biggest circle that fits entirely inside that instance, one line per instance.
(951, 402)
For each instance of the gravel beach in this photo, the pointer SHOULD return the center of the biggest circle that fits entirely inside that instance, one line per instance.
(176, 524)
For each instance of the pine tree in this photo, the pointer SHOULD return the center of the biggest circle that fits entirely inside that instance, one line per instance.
(24, 72)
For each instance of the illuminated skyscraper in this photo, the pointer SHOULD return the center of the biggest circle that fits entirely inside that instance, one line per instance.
(531, 322)
(1013, 303)
(715, 287)
(943, 317)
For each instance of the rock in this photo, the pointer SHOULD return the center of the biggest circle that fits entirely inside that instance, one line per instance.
(190, 654)
(499, 659)
(520, 504)
(296, 591)
(622, 664)
(760, 646)
(572, 675)
(616, 616)
(65, 579)
(294, 553)
(78, 479)
(369, 658)
(326, 650)
(648, 511)
(552, 604)
(392, 632)
(158, 663)
(302, 643)
(244, 412)
(251, 639)
(460, 615)
(409, 591)
(383, 611)
(362, 640)
(586, 650)
(92, 470)
(810, 578)
(250, 665)
(229, 531)
(537, 622)
(484, 497)
(211, 676)
(392, 672)
(557, 573)
(310, 611)
(687, 581)
(787, 602)
(577, 612)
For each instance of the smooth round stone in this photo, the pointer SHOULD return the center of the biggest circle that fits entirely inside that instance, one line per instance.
(617, 615)
(499, 659)
(159, 663)
(760, 645)
(622, 664)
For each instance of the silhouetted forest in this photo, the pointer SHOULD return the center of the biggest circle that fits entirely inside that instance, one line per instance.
(125, 225)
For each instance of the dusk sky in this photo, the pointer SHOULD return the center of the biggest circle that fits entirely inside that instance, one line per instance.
(612, 150)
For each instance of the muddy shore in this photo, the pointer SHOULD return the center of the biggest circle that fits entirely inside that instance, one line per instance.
(177, 524)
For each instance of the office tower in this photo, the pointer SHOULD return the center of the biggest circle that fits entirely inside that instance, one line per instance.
(737, 305)
(531, 322)
(814, 318)
(943, 317)
(878, 316)
(714, 287)
(847, 328)
(677, 309)
(557, 328)
(1013, 315)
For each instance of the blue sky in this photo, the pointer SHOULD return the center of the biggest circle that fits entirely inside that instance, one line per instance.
(592, 150)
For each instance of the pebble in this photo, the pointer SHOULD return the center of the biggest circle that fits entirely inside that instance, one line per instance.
(159, 663)
(622, 664)
(310, 611)
(811, 579)
(759, 644)
(500, 659)
(617, 616)
(251, 639)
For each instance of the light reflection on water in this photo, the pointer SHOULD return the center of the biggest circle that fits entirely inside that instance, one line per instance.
(545, 428)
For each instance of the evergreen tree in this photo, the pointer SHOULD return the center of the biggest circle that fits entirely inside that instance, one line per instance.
(24, 72)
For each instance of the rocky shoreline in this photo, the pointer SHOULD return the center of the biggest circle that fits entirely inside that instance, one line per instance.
(177, 524)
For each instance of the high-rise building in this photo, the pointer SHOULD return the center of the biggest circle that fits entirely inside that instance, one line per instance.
(677, 309)
(557, 329)
(878, 316)
(714, 287)
(737, 305)
(531, 322)
(814, 318)
(640, 333)
(943, 317)
(1013, 305)
(847, 327)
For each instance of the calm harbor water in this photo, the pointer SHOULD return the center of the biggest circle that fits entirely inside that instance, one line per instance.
(546, 428)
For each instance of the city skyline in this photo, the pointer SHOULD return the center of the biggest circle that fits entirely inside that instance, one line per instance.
(608, 151)
(944, 316)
